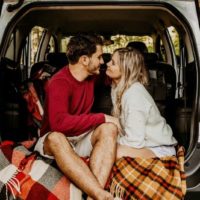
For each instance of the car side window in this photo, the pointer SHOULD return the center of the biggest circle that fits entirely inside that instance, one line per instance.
(30, 48)
(176, 41)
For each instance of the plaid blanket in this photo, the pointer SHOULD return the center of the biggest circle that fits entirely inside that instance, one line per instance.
(25, 175)
(145, 179)
(34, 105)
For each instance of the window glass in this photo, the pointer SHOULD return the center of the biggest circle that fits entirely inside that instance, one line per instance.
(120, 41)
(51, 45)
(162, 51)
(115, 42)
(35, 35)
(63, 45)
(29, 50)
(11, 50)
(175, 39)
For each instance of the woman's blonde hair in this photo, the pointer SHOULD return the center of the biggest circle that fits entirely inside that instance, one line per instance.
(132, 67)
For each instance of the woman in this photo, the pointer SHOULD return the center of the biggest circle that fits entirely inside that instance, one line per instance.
(146, 133)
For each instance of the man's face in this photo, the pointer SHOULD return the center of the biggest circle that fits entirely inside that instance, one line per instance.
(95, 61)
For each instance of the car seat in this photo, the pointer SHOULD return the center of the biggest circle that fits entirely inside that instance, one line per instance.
(13, 113)
(162, 84)
(33, 92)
(162, 79)
(140, 46)
(58, 60)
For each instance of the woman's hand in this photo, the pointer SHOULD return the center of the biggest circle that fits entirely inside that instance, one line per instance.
(114, 120)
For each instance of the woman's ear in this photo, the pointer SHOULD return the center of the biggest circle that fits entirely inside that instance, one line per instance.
(84, 60)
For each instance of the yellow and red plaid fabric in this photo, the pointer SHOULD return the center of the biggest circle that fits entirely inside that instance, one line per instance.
(145, 179)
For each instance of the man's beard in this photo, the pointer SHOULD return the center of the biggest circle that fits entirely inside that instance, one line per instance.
(93, 70)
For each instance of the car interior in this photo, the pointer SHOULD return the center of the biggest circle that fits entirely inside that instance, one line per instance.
(173, 75)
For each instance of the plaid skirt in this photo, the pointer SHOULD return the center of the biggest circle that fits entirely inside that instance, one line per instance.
(145, 179)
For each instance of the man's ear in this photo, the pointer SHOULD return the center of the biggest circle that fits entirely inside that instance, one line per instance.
(84, 60)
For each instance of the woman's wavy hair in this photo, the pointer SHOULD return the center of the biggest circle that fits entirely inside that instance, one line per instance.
(132, 66)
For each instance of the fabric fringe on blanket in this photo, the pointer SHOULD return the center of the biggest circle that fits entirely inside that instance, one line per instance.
(10, 181)
(12, 166)
(24, 175)
(145, 179)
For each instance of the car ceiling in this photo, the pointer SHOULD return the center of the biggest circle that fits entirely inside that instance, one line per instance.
(102, 21)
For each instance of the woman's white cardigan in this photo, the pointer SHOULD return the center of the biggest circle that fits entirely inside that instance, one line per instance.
(141, 120)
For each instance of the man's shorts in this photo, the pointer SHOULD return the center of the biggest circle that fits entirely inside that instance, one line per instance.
(81, 144)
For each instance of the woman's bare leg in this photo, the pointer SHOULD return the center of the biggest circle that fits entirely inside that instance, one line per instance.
(123, 151)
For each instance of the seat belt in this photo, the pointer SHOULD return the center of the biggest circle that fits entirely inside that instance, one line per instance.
(181, 74)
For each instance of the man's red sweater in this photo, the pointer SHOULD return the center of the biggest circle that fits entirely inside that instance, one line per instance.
(67, 105)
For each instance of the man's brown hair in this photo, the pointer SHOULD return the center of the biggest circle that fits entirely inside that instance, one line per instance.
(82, 44)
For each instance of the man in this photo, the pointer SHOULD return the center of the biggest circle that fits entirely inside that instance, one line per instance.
(70, 129)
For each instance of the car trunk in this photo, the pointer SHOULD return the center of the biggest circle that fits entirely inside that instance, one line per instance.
(139, 18)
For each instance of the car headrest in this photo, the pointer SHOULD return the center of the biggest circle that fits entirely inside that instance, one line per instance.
(150, 58)
(41, 67)
(57, 60)
(140, 46)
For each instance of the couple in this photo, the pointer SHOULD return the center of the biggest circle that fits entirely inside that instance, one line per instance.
(70, 130)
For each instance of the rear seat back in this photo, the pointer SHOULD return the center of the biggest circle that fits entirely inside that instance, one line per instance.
(162, 84)
(162, 79)
(33, 92)
(164, 75)
(13, 113)
(40, 73)
(58, 60)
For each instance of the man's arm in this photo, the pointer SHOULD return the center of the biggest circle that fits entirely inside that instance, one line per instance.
(59, 117)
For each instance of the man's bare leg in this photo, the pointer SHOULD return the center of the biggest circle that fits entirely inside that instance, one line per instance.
(104, 151)
(73, 167)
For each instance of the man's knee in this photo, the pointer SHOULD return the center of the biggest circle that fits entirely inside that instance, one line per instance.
(54, 140)
(108, 130)
(111, 128)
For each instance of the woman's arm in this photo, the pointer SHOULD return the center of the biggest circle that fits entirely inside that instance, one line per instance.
(135, 112)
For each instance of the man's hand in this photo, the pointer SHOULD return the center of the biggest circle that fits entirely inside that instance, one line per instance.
(114, 120)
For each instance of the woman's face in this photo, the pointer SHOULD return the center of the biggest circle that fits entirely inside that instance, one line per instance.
(113, 68)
